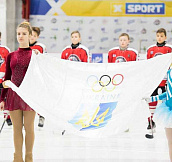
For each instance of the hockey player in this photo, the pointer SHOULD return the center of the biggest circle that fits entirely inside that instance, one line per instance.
(4, 51)
(75, 51)
(122, 53)
(160, 48)
(34, 44)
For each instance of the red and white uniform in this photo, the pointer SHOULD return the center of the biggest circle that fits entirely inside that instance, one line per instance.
(4, 51)
(116, 55)
(80, 53)
(155, 50)
(39, 46)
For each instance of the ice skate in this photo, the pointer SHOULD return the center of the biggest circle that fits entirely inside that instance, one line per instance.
(41, 121)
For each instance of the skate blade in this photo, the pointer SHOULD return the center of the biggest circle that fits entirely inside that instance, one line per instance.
(149, 136)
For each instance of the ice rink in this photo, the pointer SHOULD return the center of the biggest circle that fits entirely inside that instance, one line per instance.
(51, 146)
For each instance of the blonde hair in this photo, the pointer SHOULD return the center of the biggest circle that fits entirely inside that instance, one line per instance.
(26, 25)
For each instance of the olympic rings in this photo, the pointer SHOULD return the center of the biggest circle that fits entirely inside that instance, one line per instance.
(92, 78)
(94, 89)
(104, 82)
(122, 78)
(110, 90)
(107, 83)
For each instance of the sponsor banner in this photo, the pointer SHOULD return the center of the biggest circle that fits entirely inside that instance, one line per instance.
(145, 8)
(114, 8)
(141, 8)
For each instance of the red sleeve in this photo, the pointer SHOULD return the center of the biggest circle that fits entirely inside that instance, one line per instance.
(5, 57)
(3, 67)
(134, 56)
(63, 55)
(109, 57)
(6, 52)
(85, 56)
(39, 48)
(7, 77)
(148, 54)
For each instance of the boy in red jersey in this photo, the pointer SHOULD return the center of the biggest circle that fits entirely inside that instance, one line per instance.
(76, 51)
(35, 45)
(160, 48)
(122, 53)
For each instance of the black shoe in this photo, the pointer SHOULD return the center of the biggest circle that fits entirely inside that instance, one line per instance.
(41, 121)
(153, 125)
(63, 132)
(9, 122)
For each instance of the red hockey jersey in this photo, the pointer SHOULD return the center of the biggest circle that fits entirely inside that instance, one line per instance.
(4, 51)
(116, 55)
(80, 54)
(40, 47)
(155, 50)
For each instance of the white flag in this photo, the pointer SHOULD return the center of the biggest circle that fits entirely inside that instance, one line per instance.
(94, 100)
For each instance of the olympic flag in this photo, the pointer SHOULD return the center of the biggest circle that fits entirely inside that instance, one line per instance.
(90, 99)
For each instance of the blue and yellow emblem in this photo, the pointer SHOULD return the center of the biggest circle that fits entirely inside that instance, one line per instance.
(91, 117)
